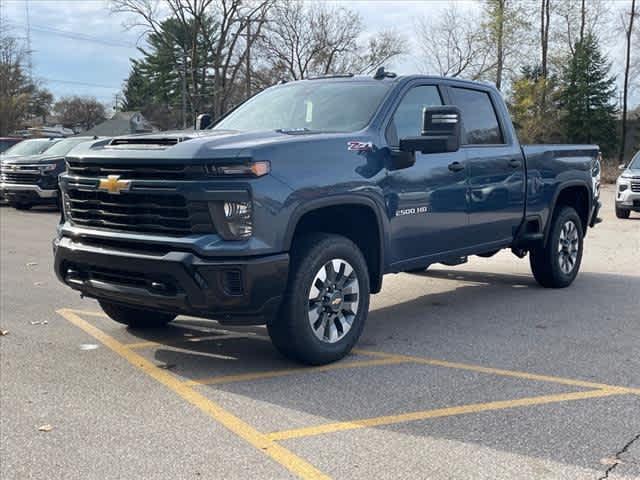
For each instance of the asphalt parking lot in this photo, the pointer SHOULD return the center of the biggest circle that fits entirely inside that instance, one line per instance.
(469, 372)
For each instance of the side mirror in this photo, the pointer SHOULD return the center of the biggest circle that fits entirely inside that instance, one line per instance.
(622, 166)
(441, 132)
(203, 121)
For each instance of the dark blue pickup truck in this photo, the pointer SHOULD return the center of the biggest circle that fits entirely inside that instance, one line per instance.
(291, 208)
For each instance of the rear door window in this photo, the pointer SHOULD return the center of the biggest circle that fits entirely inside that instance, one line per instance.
(479, 120)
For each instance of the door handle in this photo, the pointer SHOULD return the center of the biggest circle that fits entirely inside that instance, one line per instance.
(515, 163)
(456, 166)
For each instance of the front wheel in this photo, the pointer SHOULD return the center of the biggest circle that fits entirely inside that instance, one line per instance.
(135, 317)
(326, 303)
(556, 265)
(622, 213)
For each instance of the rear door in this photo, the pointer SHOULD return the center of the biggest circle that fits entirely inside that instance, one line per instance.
(496, 170)
(426, 202)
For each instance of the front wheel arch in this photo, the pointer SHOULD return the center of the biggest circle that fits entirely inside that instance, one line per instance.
(354, 217)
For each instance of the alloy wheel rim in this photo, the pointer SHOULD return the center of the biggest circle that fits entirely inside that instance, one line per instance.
(333, 300)
(568, 247)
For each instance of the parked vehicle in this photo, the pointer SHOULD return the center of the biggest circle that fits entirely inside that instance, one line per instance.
(293, 207)
(33, 180)
(628, 188)
(8, 142)
(32, 146)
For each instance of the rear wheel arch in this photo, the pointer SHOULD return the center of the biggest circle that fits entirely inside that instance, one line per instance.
(358, 219)
(575, 194)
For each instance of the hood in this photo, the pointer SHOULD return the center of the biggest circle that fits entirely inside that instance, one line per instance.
(203, 144)
(32, 159)
(632, 172)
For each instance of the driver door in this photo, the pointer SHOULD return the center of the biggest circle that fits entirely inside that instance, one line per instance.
(427, 202)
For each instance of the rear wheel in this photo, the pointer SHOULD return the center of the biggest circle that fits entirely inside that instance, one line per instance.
(135, 317)
(622, 212)
(326, 303)
(556, 265)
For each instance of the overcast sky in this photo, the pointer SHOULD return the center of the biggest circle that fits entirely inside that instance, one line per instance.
(79, 47)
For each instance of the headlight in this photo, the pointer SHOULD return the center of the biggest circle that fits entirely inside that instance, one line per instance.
(252, 169)
(233, 220)
(47, 167)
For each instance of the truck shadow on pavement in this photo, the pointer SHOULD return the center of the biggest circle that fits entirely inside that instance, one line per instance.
(488, 319)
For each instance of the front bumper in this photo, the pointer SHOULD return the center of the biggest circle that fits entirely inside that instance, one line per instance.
(240, 290)
(34, 191)
(628, 200)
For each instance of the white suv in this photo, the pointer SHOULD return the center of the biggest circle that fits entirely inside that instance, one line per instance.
(628, 189)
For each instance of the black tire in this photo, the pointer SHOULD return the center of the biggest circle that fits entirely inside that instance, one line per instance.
(292, 331)
(135, 317)
(21, 205)
(548, 268)
(622, 213)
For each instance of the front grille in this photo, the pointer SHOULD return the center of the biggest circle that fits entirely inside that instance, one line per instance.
(635, 187)
(166, 213)
(163, 284)
(19, 178)
(128, 171)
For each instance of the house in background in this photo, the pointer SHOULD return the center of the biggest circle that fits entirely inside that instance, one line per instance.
(122, 123)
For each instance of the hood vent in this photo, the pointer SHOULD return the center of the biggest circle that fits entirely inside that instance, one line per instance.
(146, 142)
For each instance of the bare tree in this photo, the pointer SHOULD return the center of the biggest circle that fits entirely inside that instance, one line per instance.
(576, 17)
(82, 112)
(221, 26)
(508, 27)
(15, 88)
(452, 44)
(307, 39)
(628, 30)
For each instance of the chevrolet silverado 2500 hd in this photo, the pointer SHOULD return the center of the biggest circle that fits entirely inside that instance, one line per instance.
(289, 211)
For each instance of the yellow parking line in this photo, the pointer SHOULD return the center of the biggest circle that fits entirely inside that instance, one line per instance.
(437, 413)
(290, 371)
(281, 455)
(91, 313)
(498, 371)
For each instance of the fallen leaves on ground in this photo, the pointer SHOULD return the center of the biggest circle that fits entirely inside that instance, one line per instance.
(4, 332)
(45, 428)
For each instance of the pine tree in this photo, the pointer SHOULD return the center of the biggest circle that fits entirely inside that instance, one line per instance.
(589, 92)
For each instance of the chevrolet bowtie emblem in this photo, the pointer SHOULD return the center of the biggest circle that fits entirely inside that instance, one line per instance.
(113, 184)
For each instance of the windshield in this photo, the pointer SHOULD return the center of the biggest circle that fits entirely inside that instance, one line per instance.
(62, 148)
(8, 143)
(319, 106)
(34, 146)
(635, 162)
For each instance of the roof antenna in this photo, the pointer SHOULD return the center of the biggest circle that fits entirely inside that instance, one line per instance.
(381, 73)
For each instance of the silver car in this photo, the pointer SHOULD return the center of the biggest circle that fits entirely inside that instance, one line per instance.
(628, 188)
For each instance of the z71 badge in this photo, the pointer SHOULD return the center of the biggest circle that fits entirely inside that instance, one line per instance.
(413, 211)
(356, 146)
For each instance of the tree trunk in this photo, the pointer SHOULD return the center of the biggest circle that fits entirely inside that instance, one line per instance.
(545, 18)
(625, 93)
(583, 19)
(500, 43)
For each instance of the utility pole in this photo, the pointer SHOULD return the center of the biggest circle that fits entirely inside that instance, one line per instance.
(29, 59)
(248, 75)
(184, 90)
